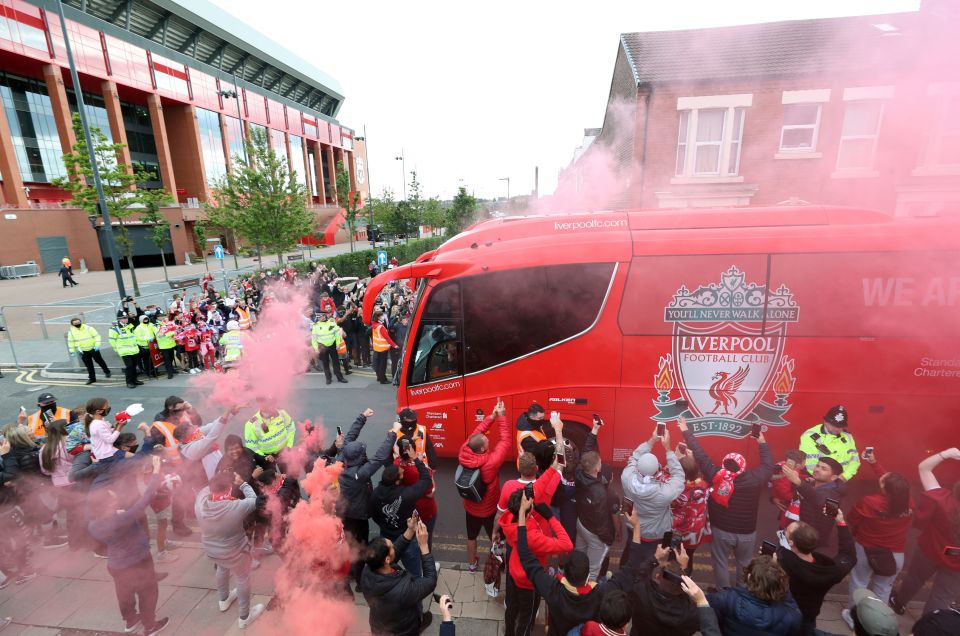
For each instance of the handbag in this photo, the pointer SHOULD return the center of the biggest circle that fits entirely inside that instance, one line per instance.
(881, 561)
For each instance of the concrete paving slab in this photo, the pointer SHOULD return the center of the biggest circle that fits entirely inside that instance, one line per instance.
(68, 600)
(20, 601)
(178, 606)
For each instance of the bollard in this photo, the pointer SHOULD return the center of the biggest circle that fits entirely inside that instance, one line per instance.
(43, 326)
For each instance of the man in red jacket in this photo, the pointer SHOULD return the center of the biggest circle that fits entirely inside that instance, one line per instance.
(476, 453)
(545, 537)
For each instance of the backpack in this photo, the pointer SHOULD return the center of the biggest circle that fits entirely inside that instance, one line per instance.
(469, 484)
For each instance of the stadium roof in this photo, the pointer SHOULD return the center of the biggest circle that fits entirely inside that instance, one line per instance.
(202, 35)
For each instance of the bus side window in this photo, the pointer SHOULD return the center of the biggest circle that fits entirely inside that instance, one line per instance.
(438, 349)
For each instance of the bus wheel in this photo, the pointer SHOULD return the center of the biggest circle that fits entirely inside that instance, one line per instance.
(574, 438)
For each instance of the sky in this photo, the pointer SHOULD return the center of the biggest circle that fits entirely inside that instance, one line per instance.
(471, 94)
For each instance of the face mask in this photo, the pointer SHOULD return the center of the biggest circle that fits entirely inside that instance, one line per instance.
(49, 408)
(75, 324)
(106, 411)
(133, 449)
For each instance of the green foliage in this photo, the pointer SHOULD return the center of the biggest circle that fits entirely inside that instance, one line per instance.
(434, 214)
(159, 227)
(261, 200)
(200, 231)
(461, 212)
(415, 204)
(121, 196)
(349, 201)
(356, 263)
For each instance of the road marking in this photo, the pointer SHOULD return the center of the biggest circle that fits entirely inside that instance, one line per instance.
(29, 377)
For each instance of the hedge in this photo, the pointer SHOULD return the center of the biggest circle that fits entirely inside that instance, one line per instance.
(357, 263)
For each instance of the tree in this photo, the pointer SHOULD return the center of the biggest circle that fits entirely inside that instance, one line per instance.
(381, 209)
(348, 200)
(261, 199)
(200, 231)
(119, 181)
(160, 228)
(415, 202)
(400, 220)
(434, 215)
(461, 212)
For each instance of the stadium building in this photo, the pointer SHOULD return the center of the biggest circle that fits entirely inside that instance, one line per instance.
(178, 82)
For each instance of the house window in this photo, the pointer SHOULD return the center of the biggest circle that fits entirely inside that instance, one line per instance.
(858, 137)
(945, 142)
(801, 123)
(709, 142)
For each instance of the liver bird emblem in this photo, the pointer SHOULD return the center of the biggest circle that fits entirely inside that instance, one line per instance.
(725, 387)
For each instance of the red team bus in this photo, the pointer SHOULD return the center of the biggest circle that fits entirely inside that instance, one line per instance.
(728, 316)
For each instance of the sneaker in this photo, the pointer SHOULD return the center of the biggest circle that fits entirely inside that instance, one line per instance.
(225, 605)
(182, 531)
(254, 564)
(4, 622)
(476, 563)
(130, 628)
(165, 557)
(266, 548)
(895, 604)
(161, 575)
(492, 590)
(100, 555)
(847, 618)
(255, 612)
(173, 545)
(425, 620)
(157, 627)
(26, 578)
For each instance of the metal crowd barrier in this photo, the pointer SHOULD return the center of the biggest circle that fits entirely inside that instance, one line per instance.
(19, 271)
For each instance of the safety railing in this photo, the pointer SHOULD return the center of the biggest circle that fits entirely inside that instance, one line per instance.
(39, 337)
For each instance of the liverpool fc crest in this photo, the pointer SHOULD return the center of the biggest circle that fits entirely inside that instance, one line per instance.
(727, 359)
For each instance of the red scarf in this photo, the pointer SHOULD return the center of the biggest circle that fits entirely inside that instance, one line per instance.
(197, 436)
(723, 480)
(224, 496)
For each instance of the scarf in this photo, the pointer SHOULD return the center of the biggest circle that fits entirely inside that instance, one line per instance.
(586, 588)
(224, 496)
(197, 436)
(723, 481)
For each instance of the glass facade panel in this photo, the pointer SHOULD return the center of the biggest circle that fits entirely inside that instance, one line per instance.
(96, 111)
(296, 160)
(277, 142)
(234, 137)
(143, 147)
(33, 128)
(211, 145)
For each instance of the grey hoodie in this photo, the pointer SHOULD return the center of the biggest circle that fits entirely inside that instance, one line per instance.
(205, 450)
(651, 498)
(221, 525)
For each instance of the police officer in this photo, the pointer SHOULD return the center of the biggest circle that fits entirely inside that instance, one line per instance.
(325, 336)
(48, 411)
(145, 334)
(269, 431)
(167, 344)
(232, 343)
(124, 342)
(84, 340)
(831, 439)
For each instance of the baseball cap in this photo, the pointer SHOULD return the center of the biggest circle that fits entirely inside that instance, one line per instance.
(941, 622)
(408, 415)
(875, 617)
(46, 398)
(648, 464)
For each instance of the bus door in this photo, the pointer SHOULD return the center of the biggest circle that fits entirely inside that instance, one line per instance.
(434, 372)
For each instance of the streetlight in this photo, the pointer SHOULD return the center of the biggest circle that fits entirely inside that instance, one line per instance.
(370, 219)
(402, 159)
(234, 94)
(94, 168)
(507, 179)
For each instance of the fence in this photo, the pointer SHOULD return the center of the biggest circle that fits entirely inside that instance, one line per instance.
(19, 271)
(42, 345)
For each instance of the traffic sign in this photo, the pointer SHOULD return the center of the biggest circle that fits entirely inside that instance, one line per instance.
(218, 251)
(382, 258)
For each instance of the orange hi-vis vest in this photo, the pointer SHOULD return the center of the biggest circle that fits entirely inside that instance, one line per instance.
(419, 442)
(243, 317)
(170, 442)
(35, 422)
(342, 345)
(522, 435)
(379, 342)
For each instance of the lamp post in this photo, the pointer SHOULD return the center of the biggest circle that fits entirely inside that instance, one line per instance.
(402, 159)
(370, 220)
(94, 168)
(507, 179)
(235, 94)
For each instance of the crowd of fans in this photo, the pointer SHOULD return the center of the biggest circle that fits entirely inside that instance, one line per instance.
(79, 478)
(205, 331)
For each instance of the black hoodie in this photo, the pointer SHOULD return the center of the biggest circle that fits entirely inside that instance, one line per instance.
(391, 505)
(569, 606)
(595, 504)
(656, 613)
(394, 598)
(810, 582)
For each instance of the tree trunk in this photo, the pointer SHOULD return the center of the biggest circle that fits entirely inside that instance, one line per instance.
(163, 259)
(350, 231)
(259, 259)
(233, 237)
(128, 245)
